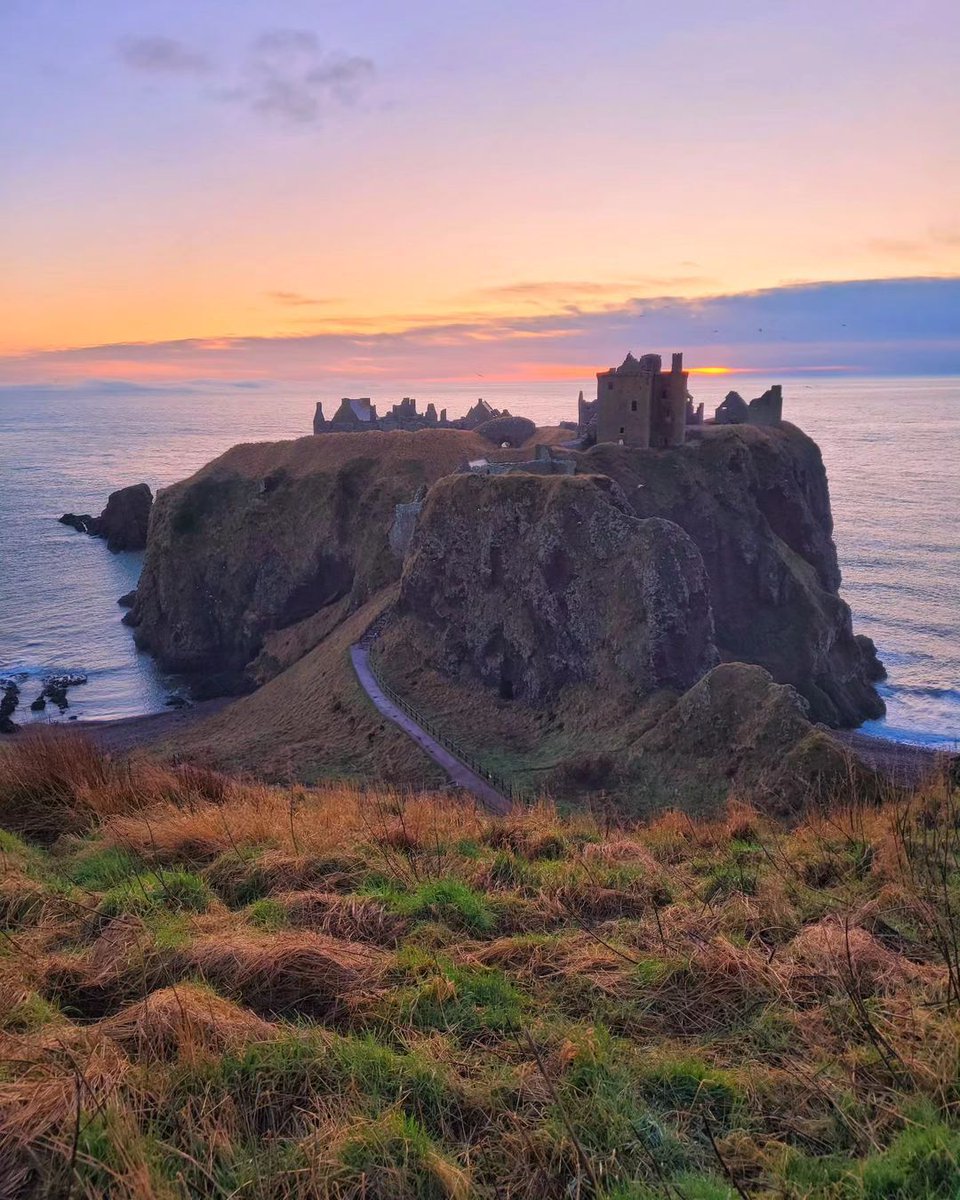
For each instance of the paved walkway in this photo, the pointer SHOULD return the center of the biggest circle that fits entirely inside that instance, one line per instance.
(461, 774)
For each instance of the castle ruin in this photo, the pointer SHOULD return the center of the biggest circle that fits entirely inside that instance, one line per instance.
(355, 415)
(638, 403)
(764, 410)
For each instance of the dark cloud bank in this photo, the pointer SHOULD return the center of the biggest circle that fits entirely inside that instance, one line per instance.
(882, 327)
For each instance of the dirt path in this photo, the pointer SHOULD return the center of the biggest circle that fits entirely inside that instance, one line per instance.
(461, 774)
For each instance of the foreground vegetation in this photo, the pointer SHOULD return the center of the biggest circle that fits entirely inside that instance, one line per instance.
(218, 989)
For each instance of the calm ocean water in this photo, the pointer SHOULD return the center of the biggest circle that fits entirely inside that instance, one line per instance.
(891, 446)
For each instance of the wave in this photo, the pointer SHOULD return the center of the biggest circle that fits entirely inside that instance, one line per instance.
(927, 691)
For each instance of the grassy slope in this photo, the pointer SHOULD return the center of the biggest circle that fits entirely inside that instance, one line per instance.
(209, 988)
(313, 722)
(571, 744)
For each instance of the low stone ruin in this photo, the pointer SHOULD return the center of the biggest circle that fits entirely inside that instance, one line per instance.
(356, 415)
(764, 410)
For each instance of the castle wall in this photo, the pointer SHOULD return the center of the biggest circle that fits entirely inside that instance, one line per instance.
(623, 407)
(768, 408)
(668, 424)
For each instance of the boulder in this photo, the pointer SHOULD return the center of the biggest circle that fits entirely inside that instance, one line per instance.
(128, 599)
(529, 583)
(55, 689)
(513, 431)
(82, 523)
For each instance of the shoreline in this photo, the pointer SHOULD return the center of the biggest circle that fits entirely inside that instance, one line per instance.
(124, 734)
(903, 762)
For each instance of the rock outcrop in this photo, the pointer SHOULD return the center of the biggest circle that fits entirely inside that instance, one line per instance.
(124, 521)
(268, 536)
(756, 503)
(737, 724)
(530, 583)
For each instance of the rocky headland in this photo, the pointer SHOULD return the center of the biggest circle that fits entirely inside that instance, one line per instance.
(638, 619)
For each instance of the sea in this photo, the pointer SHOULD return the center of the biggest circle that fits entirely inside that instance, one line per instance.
(891, 448)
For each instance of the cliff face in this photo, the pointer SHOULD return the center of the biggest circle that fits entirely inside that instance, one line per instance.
(268, 535)
(530, 583)
(755, 502)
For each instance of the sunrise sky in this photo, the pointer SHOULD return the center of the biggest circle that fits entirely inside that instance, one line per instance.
(244, 189)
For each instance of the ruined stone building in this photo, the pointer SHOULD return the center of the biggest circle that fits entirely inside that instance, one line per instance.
(764, 410)
(357, 415)
(638, 403)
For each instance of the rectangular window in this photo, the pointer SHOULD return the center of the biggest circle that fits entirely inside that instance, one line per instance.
(622, 430)
(633, 406)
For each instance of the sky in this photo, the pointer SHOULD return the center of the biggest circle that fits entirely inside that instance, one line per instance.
(247, 190)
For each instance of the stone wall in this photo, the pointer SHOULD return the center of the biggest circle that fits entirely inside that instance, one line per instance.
(403, 527)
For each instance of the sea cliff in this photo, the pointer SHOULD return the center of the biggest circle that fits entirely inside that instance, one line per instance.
(594, 600)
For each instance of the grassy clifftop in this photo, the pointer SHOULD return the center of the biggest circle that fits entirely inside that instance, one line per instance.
(210, 988)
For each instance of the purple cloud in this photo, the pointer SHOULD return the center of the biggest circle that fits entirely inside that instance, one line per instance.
(163, 56)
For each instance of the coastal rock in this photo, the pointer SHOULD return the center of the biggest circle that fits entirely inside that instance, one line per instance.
(128, 599)
(123, 522)
(125, 519)
(530, 583)
(9, 700)
(756, 503)
(55, 688)
(82, 523)
(268, 535)
(259, 556)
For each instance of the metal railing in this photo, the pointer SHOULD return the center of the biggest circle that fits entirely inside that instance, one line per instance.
(501, 783)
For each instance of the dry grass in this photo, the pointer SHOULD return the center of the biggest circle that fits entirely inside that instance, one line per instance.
(216, 988)
(183, 1022)
(285, 974)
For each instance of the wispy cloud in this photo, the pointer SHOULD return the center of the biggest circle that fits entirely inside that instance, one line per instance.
(159, 55)
(284, 75)
(298, 300)
(560, 291)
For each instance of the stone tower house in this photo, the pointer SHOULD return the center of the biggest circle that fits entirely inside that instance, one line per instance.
(639, 404)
